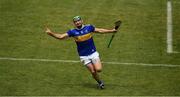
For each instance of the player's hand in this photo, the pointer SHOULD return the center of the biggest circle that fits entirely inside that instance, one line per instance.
(48, 31)
(114, 30)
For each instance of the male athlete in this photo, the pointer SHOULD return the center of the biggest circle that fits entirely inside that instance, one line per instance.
(85, 45)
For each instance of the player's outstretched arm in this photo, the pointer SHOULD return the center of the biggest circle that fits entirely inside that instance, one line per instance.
(56, 35)
(101, 30)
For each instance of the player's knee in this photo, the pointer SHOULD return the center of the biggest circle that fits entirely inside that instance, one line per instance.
(99, 70)
(93, 72)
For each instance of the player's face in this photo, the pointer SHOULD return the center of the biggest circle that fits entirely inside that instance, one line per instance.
(78, 23)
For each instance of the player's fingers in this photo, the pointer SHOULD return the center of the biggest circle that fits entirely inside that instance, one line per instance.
(47, 30)
(114, 30)
(46, 27)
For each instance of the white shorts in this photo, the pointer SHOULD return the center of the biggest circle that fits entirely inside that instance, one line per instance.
(93, 58)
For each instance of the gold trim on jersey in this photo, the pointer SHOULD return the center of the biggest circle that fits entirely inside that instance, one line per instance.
(83, 37)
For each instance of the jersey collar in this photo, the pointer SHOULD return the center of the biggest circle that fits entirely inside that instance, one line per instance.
(80, 28)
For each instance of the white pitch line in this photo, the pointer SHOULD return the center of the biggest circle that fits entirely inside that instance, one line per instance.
(41, 60)
(169, 27)
(75, 61)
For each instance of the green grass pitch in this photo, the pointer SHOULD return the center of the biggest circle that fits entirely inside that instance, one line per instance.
(142, 39)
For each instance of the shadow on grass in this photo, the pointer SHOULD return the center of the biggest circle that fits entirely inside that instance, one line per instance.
(89, 85)
(95, 86)
(82, 85)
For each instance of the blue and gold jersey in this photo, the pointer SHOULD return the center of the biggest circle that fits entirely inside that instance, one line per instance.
(83, 39)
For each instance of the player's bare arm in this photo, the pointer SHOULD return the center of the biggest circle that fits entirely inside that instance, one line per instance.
(56, 35)
(103, 31)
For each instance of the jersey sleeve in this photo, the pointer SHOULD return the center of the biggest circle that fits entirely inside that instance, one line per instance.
(70, 33)
(92, 28)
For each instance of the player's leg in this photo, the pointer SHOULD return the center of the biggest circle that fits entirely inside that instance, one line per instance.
(97, 66)
(88, 63)
(95, 75)
(96, 61)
